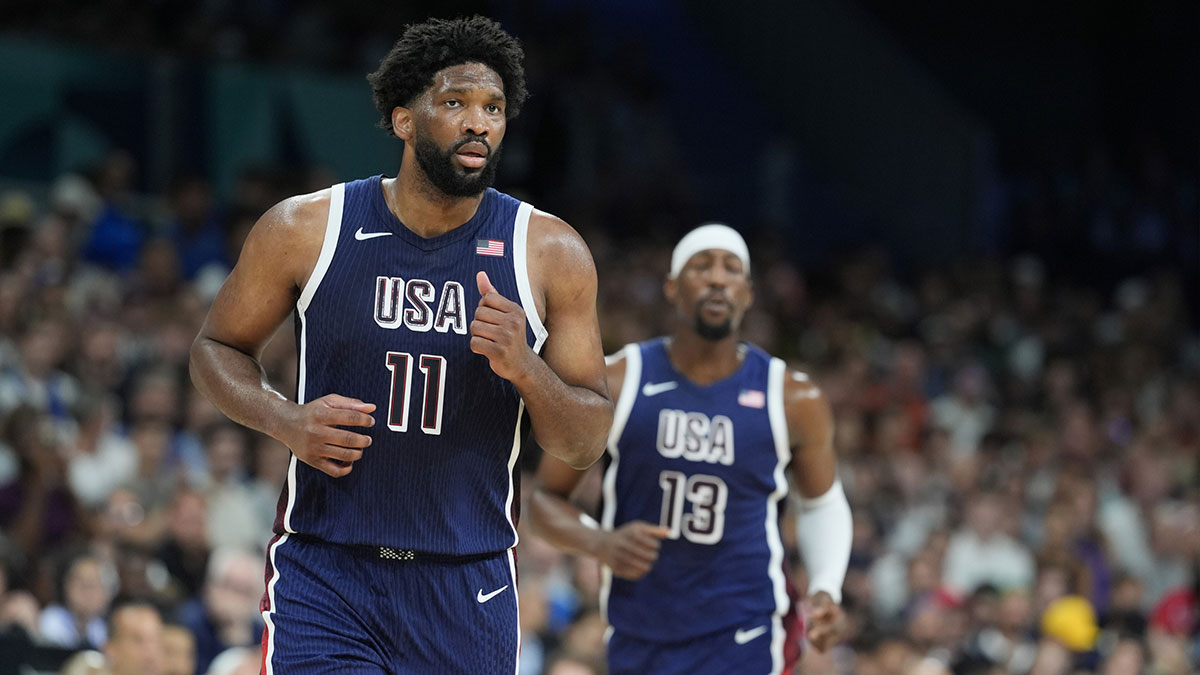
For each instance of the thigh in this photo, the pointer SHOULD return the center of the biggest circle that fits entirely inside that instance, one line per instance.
(458, 617)
(320, 611)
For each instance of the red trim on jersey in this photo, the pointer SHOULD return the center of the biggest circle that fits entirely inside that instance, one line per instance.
(263, 663)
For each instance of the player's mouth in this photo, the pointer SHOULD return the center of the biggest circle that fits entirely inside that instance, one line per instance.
(715, 304)
(472, 155)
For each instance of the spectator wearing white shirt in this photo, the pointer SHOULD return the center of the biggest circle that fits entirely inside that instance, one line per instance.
(979, 552)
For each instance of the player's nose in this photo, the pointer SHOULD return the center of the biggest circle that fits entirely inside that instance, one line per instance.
(475, 122)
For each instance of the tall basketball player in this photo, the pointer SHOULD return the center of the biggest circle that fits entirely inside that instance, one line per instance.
(706, 426)
(437, 321)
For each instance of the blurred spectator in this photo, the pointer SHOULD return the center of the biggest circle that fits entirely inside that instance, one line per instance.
(100, 459)
(36, 380)
(226, 615)
(196, 230)
(236, 661)
(185, 547)
(86, 662)
(77, 619)
(964, 411)
(135, 645)
(179, 650)
(272, 460)
(115, 239)
(156, 480)
(37, 509)
(981, 553)
(233, 520)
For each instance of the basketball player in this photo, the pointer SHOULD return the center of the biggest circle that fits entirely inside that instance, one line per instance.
(705, 428)
(436, 321)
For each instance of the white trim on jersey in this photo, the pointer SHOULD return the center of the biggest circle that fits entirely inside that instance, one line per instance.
(333, 228)
(269, 668)
(520, 267)
(512, 463)
(512, 569)
(779, 430)
(630, 384)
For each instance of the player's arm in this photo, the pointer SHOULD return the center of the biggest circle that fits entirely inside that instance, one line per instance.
(276, 260)
(564, 391)
(824, 523)
(630, 550)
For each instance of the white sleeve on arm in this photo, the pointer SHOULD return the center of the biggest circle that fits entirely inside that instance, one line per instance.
(824, 529)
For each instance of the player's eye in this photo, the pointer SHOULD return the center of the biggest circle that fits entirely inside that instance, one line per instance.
(493, 108)
(453, 103)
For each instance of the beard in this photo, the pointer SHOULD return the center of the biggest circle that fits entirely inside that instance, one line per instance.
(712, 332)
(452, 181)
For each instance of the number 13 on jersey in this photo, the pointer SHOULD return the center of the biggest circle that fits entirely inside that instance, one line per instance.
(708, 495)
(434, 368)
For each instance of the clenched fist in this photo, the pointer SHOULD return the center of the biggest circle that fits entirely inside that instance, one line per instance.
(498, 331)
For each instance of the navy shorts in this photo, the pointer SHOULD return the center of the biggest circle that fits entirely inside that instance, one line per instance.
(771, 644)
(333, 608)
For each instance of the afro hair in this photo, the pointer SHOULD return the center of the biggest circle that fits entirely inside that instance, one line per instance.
(425, 48)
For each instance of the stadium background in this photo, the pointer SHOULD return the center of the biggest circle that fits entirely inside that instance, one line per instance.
(977, 229)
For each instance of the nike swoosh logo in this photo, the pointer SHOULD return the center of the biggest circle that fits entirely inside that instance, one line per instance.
(363, 236)
(743, 636)
(656, 388)
(481, 598)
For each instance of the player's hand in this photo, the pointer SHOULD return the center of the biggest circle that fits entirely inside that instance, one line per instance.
(498, 331)
(317, 439)
(826, 622)
(632, 549)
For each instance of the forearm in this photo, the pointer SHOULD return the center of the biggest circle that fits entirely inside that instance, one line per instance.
(563, 524)
(237, 385)
(569, 422)
(824, 533)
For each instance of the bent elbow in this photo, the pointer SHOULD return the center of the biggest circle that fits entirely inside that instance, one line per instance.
(586, 457)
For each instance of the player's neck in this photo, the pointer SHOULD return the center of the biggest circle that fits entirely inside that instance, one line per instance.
(423, 208)
(703, 361)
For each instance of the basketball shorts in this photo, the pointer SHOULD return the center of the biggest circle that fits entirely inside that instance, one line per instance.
(769, 645)
(333, 608)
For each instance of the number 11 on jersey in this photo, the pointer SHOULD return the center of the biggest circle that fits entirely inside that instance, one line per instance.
(434, 367)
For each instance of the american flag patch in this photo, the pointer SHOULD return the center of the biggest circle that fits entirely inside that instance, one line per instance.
(752, 398)
(489, 247)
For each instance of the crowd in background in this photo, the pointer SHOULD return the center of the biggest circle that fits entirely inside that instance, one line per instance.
(1021, 447)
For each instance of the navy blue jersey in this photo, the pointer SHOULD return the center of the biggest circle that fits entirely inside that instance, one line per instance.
(385, 318)
(708, 463)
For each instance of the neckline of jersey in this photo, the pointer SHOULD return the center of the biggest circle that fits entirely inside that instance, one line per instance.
(684, 380)
(396, 226)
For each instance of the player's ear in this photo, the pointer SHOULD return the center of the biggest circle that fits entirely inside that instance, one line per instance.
(402, 124)
(670, 289)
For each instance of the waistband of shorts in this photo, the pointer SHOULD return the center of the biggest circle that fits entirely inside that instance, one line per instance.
(399, 554)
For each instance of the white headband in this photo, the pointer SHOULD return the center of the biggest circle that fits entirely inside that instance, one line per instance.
(705, 237)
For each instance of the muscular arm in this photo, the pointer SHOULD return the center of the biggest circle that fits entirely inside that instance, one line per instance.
(824, 521)
(630, 551)
(810, 431)
(278, 256)
(564, 391)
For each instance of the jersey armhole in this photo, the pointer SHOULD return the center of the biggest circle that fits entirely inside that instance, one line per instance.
(333, 228)
(632, 354)
(521, 270)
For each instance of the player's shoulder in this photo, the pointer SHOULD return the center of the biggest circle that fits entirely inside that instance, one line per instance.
(289, 236)
(299, 213)
(554, 241)
(800, 391)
